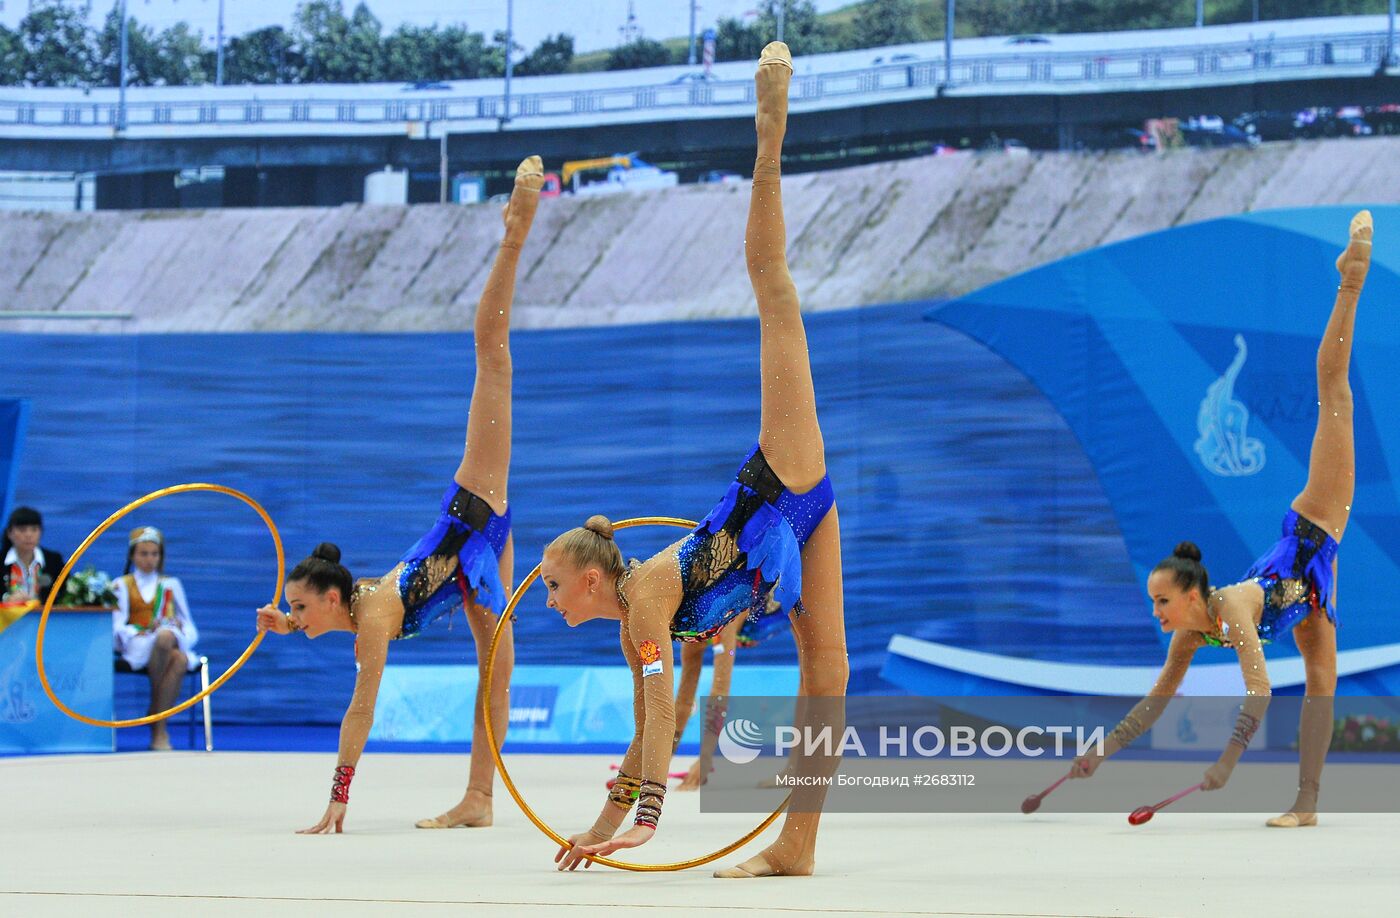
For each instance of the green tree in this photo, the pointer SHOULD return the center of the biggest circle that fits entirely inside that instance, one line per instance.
(414, 53)
(323, 34)
(59, 46)
(735, 41)
(12, 58)
(143, 61)
(364, 46)
(634, 55)
(885, 22)
(267, 55)
(804, 31)
(180, 52)
(554, 54)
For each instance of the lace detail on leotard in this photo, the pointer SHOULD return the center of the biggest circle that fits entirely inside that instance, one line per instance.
(427, 578)
(1287, 593)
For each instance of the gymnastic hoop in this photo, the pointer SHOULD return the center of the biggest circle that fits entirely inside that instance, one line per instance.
(501, 765)
(87, 543)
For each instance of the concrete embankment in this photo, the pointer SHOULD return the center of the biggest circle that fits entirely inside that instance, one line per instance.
(918, 228)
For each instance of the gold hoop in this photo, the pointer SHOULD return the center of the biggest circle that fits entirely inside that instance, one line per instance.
(501, 766)
(87, 543)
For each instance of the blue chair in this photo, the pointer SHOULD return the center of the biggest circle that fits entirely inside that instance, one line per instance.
(200, 667)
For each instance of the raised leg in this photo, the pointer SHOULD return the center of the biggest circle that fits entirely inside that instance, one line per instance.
(474, 810)
(485, 464)
(821, 647)
(1326, 499)
(788, 430)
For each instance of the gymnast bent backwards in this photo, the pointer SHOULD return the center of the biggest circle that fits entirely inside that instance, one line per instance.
(464, 561)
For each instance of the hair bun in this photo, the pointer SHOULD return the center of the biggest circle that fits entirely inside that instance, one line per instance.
(1187, 550)
(327, 551)
(601, 525)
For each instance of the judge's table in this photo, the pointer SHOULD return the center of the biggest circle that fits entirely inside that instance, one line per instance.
(78, 662)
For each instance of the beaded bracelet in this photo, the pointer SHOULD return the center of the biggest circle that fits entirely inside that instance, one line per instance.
(625, 790)
(1245, 726)
(340, 784)
(649, 804)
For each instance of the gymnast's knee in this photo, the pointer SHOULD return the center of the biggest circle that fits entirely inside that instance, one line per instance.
(826, 675)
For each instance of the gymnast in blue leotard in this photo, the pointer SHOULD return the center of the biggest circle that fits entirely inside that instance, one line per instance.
(742, 604)
(1291, 588)
(464, 561)
(771, 546)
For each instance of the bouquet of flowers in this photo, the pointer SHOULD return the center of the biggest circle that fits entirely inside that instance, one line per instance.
(1365, 733)
(88, 587)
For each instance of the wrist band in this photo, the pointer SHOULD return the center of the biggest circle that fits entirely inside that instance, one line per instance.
(625, 790)
(1128, 729)
(340, 784)
(649, 804)
(1245, 726)
(715, 716)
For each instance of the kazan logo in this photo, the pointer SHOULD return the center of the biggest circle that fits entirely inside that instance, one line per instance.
(1225, 446)
(740, 741)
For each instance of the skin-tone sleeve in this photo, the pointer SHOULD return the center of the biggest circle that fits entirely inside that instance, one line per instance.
(1144, 714)
(378, 623)
(1237, 618)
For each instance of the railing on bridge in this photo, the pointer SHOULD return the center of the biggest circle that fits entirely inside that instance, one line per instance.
(1046, 71)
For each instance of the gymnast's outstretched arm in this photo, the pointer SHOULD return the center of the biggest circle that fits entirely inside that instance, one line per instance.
(379, 616)
(1144, 714)
(646, 643)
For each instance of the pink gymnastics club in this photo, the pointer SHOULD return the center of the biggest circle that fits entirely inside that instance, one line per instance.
(1143, 813)
(1032, 803)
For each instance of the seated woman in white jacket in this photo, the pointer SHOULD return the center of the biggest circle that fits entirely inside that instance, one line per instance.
(152, 627)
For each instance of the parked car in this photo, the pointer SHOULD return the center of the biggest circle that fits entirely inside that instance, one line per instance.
(1027, 40)
(1384, 119)
(425, 84)
(1268, 125)
(895, 59)
(1351, 122)
(698, 76)
(1227, 136)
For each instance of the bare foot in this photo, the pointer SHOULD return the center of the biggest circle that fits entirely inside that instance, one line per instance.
(473, 812)
(1354, 262)
(771, 92)
(160, 739)
(1292, 821)
(765, 864)
(519, 212)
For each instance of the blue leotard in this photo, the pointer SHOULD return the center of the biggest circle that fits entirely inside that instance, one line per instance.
(456, 561)
(1296, 577)
(745, 557)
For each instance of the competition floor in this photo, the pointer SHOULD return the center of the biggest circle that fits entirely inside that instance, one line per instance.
(194, 834)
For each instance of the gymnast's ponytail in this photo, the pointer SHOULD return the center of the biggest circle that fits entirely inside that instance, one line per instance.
(323, 570)
(1186, 569)
(591, 545)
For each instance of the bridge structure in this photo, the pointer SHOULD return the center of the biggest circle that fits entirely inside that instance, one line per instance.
(313, 144)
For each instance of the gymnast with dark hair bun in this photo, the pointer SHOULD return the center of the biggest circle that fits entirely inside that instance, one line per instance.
(464, 562)
(1291, 588)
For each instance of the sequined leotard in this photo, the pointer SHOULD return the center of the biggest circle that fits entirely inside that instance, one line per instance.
(456, 561)
(745, 557)
(1296, 577)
